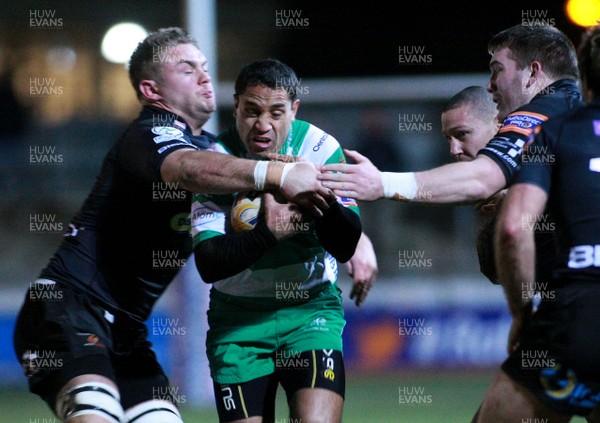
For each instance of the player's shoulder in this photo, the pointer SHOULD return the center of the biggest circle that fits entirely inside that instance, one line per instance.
(556, 99)
(582, 117)
(161, 127)
(313, 136)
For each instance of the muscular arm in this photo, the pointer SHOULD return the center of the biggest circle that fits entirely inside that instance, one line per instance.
(460, 182)
(452, 184)
(208, 171)
(211, 172)
(515, 251)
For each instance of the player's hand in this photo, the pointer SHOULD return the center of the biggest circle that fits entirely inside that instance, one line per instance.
(362, 267)
(361, 181)
(302, 187)
(282, 217)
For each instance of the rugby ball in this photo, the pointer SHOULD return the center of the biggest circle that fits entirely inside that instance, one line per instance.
(245, 211)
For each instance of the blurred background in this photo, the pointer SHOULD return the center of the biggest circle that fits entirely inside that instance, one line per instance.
(375, 75)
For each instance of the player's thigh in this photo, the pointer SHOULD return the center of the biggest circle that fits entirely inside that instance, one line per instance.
(139, 375)
(314, 383)
(507, 401)
(60, 335)
(249, 402)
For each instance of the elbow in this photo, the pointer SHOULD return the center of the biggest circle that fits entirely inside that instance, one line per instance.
(481, 189)
(344, 256)
(203, 269)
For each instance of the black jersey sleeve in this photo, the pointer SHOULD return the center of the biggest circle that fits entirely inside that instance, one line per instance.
(538, 161)
(339, 230)
(516, 132)
(518, 129)
(145, 147)
(226, 255)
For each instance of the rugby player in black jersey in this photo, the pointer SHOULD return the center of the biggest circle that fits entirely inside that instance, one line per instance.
(553, 371)
(138, 208)
(534, 77)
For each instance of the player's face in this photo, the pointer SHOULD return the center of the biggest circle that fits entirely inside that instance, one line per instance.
(508, 84)
(466, 132)
(263, 118)
(184, 83)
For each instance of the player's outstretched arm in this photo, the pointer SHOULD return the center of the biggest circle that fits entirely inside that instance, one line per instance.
(212, 172)
(362, 267)
(515, 251)
(361, 181)
(452, 184)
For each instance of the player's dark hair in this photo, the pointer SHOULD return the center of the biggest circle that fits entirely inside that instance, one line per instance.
(543, 43)
(150, 53)
(480, 99)
(268, 72)
(588, 56)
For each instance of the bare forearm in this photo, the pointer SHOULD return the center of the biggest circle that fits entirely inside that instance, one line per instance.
(210, 172)
(459, 183)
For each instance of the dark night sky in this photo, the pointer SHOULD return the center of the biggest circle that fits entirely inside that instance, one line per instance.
(343, 38)
(363, 38)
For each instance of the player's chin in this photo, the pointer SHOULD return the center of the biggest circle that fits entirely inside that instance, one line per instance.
(260, 150)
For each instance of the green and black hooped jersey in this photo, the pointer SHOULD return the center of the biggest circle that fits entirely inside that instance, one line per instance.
(299, 262)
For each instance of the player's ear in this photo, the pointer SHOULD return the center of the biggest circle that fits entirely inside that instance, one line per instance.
(295, 105)
(535, 69)
(236, 103)
(149, 89)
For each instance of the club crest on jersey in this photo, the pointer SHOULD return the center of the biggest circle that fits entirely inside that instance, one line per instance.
(166, 133)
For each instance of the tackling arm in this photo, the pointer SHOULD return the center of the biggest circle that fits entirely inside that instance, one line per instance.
(212, 172)
(452, 184)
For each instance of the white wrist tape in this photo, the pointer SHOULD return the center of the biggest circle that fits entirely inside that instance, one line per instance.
(399, 186)
(286, 169)
(260, 174)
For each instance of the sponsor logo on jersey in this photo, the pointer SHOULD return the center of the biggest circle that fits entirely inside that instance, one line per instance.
(166, 147)
(166, 133)
(522, 122)
(319, 144)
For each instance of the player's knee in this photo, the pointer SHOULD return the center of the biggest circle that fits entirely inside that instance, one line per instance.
(153, 411)
(90, 399)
